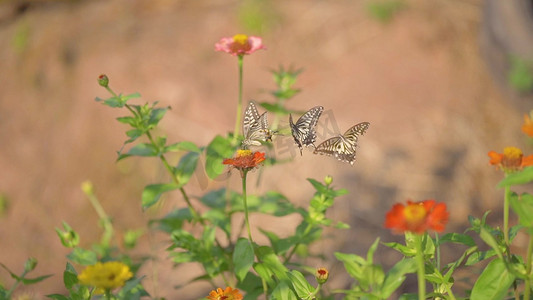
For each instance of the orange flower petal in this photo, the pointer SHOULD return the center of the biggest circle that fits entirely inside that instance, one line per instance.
(495, 158)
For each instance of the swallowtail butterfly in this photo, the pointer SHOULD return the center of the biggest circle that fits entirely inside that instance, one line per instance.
(303, 131)
(343, 146)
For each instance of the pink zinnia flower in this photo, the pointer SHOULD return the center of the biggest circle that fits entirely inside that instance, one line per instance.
(240, 44)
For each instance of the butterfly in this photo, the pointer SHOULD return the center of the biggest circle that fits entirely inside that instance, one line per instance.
(343, 146)
(303, 131)
(255, 127)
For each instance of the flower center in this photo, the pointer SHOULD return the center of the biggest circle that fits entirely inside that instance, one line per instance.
(240, 38)
(512, 152)
(414, 214)
(512, 158)
(243, 152)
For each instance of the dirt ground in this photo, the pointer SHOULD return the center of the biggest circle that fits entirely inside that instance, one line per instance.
(419, 79)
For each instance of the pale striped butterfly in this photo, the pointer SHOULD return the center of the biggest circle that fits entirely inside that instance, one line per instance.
(255, 127)
(303, 131)
(343, 146)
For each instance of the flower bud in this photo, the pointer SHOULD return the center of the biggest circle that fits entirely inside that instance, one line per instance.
(87, 187)
(321, 275)
(328, 180)
(69, 238)
(103, 80)
(30, 264)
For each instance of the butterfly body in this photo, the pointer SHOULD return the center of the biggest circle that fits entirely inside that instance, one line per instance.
(343, 147)
(303, 131)
(255, 127)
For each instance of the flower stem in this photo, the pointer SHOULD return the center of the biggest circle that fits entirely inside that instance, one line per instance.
(506, 215)
(175, 179)
(246, 206)
(420, 263)
(239, 104)
(104, 218)
(527, 287)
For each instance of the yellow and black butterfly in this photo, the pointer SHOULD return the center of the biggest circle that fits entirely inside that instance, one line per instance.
(303, 131)
(343, 146)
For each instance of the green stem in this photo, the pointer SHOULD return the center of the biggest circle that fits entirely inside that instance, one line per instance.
(104, 218)
(12, 289)
(293, 250)
(506, 215)
(244, 173)
(527, 288)
(108, 294)
(420, 264)
(175, 179)
(239, 104)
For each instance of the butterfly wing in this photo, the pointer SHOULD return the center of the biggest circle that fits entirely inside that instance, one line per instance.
(251, 116)
(255, 127)
(352, 135)
(343, 146)
(303, 131)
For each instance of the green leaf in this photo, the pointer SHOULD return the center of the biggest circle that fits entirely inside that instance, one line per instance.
(156, 116)
(243, 258)
(271, 262)
(516, 178)
(396, 276)
(130, 96)
(82, 257)
(283, 292)
(127, 120)
(56, 297)
(143, 150)
(174, 220)
(458, 239)
(523, 207)
(274, 108)
(352, 263)
(28, 281)
(186, 167)
(219, 149)
(371, 251)
(319, 187)
(252, 285)
(70, 276)
(493, 283)
(303, 289)
(183, 146)
(276, 204)
(490, 240)
(152, 193)
(217, 198)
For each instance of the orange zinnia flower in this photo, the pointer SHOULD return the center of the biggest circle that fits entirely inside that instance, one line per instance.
(512, 159)
(245, 160)
(417, 217)
(527, 127)
(227, 294)
(240, 44)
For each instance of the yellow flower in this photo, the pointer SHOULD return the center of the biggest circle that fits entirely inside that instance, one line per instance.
(107, 276)
(227, 294)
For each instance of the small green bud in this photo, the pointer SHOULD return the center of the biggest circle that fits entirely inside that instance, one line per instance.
(321, 275)
(30, 264)
(103, 80)
(131, 237)
(69, 238)
(328, 180)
